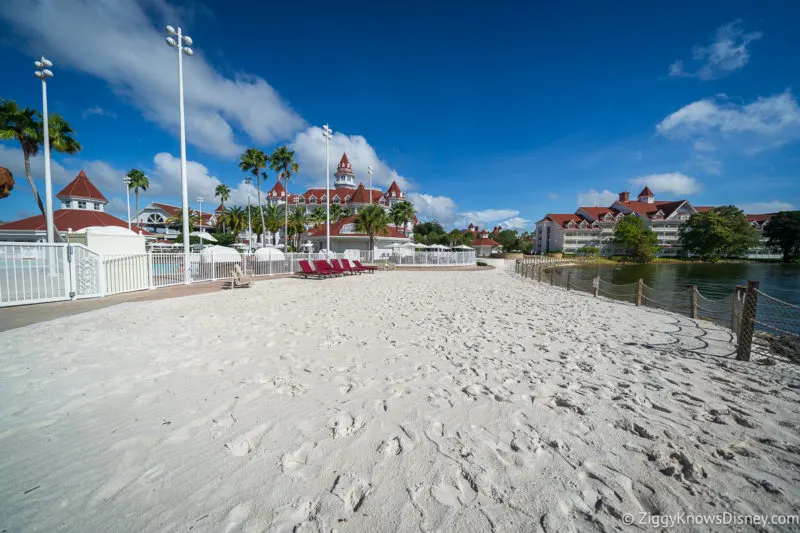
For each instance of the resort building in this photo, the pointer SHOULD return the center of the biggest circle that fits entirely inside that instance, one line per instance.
(155, 218)
(594, 226)
(82, 206)
(344, 237)
(482, 242)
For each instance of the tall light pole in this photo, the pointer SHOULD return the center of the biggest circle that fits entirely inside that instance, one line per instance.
(178, 42)
(370, 172)
(200, 201)
(43, 72)
(327, 132)
(248, 181)
(127, 182)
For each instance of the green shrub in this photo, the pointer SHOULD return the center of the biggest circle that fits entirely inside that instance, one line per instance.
(482, 264)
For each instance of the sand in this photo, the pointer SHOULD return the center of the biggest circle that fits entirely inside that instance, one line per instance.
(402, 401)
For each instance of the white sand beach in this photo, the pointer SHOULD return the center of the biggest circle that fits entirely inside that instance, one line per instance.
(402, 401)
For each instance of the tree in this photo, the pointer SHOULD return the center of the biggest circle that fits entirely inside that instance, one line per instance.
(254, 160)
(224, 239)
(273, 215)
(318, 217)
(223, 192)
(507, 239)
(372, 220)
(783, 231)
(720, 231)
(235, 219)
(430, 232)
(455, 238)
(590, 251)
(282, 161)
(176, 220)
(25, 126)
(401, 214)
(297, 225)
(138, 181)
(632, 234)
(337, 213)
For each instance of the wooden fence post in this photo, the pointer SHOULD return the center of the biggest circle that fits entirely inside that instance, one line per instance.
(744, 341)
(738, 301)
(596, 286)
(551, 275)
(694, 301)
(569, 280)
(639, 291)
(540, 273)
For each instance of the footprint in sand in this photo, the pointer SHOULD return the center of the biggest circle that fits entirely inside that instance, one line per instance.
(351, 490)
(344, 425)
(244, 444)
(390, 447)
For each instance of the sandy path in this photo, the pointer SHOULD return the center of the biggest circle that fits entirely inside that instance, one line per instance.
(404, 401)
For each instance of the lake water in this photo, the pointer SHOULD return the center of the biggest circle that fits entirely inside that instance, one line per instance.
(712, 280)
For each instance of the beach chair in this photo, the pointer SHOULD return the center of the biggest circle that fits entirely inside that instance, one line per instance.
(324, 268)
(337, 267)
(307, 271)
(350, 268)
(240, 279)
(368, 268)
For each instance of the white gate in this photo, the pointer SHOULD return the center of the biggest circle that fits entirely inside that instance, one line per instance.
(33, 273)
(85, 272)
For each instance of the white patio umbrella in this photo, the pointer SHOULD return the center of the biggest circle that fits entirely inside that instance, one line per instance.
(220, 254)
(412, 245)
(463, 247)
(270, 253)
(438, 247)
(203, 236)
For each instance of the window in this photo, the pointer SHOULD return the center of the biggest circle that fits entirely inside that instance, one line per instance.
(65, 205)
(336, 200)
(301, 200)
(97, 206)
(324, 199)
(81, 204)
(312, 200)
(346, 198)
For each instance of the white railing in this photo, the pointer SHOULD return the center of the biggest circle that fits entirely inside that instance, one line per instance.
(442, 258)
(33, 273)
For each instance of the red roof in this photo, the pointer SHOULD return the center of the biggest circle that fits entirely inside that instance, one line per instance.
(648, 210)
(598, 213)
(485, 242)
(221, 208)
(81, 187)
(172, 210)
(760, 218)
(646, 192)
(703, 209)
(393, 188)
(277, 191)
(361, 196)
(336, 230)
(562, 219)
(74, 219)
(344, 166)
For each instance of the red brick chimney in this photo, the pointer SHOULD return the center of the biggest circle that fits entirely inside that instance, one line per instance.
(624, 196)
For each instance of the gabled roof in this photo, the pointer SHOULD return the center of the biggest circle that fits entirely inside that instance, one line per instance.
(361, 195)
(760, 218)
(598, 213)
(344, 166)
(336, 230)
(74, 219)
(485, 242)
(394, 188)
(172, 210)
(277, 191)
(221, 208)
(646, 192)
(81, 187)
(562, 219)
(646, 209)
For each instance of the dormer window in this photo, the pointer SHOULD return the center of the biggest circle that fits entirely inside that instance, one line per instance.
(346, 198)
(324, 199)
(301, 200)
(336, 200)
(81, 204)
(97, 206)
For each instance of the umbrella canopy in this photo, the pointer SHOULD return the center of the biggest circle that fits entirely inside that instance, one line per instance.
(412, 245)
(220, 254)
(269, 254)
(438, 246)
(463, 247)
(203, 236)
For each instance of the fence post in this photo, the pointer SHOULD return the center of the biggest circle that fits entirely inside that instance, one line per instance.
(694, 301)
(639, 291)
(744, 341)
(569, 280)
(214, 269)
(738, 300)
(596, 286)
(150, 284)
(539, 275)
(551, 275)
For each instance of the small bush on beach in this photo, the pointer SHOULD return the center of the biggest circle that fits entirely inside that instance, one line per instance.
(482, 264)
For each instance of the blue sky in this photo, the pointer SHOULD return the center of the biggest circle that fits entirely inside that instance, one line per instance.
(485, 112)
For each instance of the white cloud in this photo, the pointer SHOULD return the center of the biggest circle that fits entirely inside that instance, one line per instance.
(727, 53)
(704, 145)
(757, 208)
(515, 223)
(439, 208)
(310, 154)
(99, 111)
(118, 42)
(670, 183)
(485, 216)
(765, 123)
(709, 165)
(553, 196)
(592, 197)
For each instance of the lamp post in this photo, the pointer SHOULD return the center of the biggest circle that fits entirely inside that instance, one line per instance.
(182, 43)
(43, 72)
(327, 132)
(248, 181)
(200, 201)
(370, 172)
(127, 182)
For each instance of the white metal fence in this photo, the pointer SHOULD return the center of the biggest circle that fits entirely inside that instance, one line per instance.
(37, 272)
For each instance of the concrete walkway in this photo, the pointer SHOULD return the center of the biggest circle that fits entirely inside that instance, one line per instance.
(24, 315)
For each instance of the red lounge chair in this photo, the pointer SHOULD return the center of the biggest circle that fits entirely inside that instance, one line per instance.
(368, 268)
(308, 272)
(350, 268)
(324, 268)
(337, 267)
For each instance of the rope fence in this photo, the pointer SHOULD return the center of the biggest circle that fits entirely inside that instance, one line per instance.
(746, 310)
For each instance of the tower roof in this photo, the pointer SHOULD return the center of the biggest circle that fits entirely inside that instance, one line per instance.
(394, 188)
(344, 165)
(81, 187)
(361, 196)
(646, 192)
(278, 191)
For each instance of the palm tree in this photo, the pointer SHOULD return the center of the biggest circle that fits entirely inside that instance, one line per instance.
(282, 161)
(61, 135)
(372, 220)
(337, 213)
(318, 217)
(20, 124)
(176, 220)
(299, 221)
(235, 218)
(254, 161)
(273, 216)
(223, 192)
(137, 181)
(402, 213)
